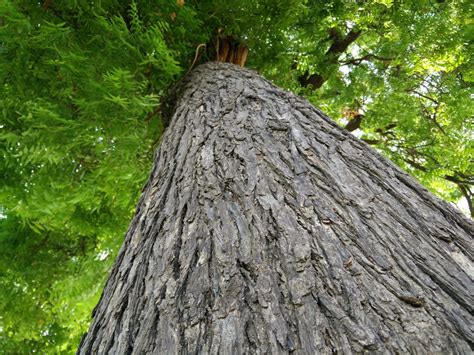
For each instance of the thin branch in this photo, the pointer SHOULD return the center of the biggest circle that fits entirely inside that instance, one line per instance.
(435, 121)
(424, 96)
(432, 117)
(358, 61)
(150, 115)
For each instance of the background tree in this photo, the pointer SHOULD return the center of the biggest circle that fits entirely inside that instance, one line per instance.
(80, 88)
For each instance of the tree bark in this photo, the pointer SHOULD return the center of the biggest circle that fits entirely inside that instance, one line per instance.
(265, 228)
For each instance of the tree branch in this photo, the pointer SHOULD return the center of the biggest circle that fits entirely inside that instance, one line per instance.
(338, 46)
(357, 61)
(431, 117)
(424, 96)
(462, 182)
(354, 123)
(340, 43)
(468, 195)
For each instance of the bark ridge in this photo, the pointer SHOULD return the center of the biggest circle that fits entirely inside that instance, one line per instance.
(266, 228)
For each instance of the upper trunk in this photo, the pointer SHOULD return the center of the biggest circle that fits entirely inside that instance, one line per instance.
(266, 228)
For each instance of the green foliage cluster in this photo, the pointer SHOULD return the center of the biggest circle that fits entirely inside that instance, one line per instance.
(80, 90)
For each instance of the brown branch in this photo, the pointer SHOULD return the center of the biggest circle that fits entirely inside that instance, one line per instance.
(150, 115)
(371, 141)
(197, 55)
(338, 46)
(424, 96)
(357, 61)
(468, 195)
(340, 43)
(460, 179)
(416, 165)
(462, 184)
(431, 117)
(315, 80)
(354, 124)
(435, 121)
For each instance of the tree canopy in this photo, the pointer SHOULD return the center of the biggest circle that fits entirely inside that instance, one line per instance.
(82, 84)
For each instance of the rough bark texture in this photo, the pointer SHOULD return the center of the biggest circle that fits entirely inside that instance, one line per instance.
(265, 228)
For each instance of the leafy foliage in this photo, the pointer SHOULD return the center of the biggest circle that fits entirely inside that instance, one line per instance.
(81, 84)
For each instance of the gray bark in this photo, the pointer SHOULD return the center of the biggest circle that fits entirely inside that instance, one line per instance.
(266, 228)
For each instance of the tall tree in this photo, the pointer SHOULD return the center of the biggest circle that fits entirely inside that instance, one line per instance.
(81, 86)
(266, 228)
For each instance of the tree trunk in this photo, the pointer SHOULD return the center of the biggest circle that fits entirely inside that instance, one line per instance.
(266, 228)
